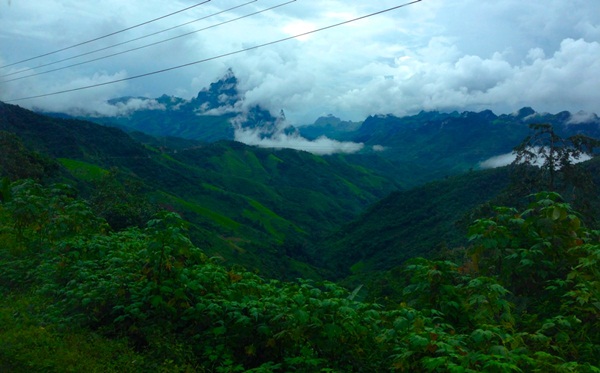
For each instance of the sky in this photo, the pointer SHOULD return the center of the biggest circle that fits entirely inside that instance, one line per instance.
(432, 55)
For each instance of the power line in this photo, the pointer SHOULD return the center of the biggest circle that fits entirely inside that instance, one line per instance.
(105, 36)
(115, 45)
(151, 44)
(219, 56)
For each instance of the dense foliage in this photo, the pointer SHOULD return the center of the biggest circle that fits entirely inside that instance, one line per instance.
(18, 162)
(418, 222)
(547, 161)
(526, 298)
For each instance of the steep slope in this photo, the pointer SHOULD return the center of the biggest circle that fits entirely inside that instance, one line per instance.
(410, 223)
(317, 192)
(69, 138)
(243, 202)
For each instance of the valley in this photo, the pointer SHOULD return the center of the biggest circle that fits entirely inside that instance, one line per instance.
(250, 246)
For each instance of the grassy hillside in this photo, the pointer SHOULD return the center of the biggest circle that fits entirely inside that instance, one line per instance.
(244, 203)
(411, 223)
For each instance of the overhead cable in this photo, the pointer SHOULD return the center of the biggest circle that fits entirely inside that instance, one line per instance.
(105, 36)
(116, 45)
(152, 44)
(219, 56)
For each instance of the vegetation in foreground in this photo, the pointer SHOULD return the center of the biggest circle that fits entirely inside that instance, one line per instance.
(76, 295)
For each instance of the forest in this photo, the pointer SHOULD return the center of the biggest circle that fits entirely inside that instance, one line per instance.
(100, 272)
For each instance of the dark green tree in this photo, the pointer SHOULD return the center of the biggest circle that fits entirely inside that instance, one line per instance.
(18, 162)
(547, 161)
(121, 201)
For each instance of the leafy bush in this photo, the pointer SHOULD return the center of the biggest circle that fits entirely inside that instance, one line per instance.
(527, 298)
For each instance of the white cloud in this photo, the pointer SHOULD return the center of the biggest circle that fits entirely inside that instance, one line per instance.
(131, 105)
(459, 55)
(221, 110)
(278, 136)
(508, 158)
(320, 146)
(562, 81)
(583, 117)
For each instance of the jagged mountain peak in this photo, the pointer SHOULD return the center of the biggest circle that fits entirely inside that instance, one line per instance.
(221, 93)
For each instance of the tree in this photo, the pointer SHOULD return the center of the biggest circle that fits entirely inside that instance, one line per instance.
(546, 161)
(17, 162)
(549, 159)
(122, 204)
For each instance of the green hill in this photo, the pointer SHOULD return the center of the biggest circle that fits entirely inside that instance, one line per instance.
(406, 224)
(243, 202)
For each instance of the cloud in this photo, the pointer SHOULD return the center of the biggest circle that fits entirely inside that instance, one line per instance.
(498, 161)
(583, 117)
(508, 158)
(559, 82)
(130, 106)
(236, 108)
(280, 136)
(426, 56)
(320, 146)
(77, 102)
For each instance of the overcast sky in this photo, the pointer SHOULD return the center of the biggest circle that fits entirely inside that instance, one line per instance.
(433, 55)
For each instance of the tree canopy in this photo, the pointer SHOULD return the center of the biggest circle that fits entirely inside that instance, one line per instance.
(525, 297)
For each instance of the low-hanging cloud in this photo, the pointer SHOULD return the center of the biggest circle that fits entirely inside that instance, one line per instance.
(498, 161)
(129, 106)
(508, 158)
(279, 138)
(320, 146)
(583, 117)
(93, 102)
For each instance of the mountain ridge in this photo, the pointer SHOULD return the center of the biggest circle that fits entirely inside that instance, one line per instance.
(243, 202)
(431, 144)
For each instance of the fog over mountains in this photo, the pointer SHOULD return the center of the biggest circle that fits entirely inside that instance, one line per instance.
(434, 144)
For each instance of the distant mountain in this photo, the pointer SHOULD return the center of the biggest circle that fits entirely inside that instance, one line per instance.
(442, 144)
(330, 126)
(426, 146)
(221, 94)
(206, 117)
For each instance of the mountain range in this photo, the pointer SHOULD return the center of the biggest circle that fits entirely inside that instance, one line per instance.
(244, 203)
(338, 246)
(408, 191)
(425, 147)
